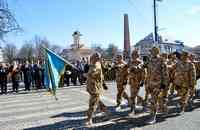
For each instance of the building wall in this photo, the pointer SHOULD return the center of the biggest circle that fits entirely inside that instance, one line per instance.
(147, 43)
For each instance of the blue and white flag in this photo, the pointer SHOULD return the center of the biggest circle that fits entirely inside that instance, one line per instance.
(55, 68)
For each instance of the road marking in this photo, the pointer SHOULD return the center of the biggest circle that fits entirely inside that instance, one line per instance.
(42, 113)
(35, 107)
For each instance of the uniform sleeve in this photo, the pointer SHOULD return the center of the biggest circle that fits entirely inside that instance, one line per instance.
(164, 74)
(94, 72)
(192, 75)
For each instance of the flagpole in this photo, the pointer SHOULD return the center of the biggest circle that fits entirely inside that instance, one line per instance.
(50, 74)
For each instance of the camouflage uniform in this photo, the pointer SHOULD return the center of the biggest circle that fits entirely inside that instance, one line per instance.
(197, 65)
(163, 96)
(157, 78)
(193, 89)
(121, 70)
(184, 79)
(136, 78)
(171, 63)
(95, 88)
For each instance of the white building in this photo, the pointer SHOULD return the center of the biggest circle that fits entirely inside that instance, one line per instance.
(165, 46)
(77, 50)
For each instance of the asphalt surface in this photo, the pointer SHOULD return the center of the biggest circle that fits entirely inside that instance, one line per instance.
(38, 110)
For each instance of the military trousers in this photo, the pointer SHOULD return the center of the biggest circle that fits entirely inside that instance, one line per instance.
(134, 89)
(121, 93)
(183, 93)
(95, 102)
(154, 93)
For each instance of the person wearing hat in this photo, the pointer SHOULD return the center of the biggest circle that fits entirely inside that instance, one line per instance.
(95, 84)
(121, 73)
(157, 79)
(184, 80)
(136, 79)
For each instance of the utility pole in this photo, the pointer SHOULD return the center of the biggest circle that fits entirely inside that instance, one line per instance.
(155, 22)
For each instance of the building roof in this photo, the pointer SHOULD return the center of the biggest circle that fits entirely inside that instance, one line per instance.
(149, 39)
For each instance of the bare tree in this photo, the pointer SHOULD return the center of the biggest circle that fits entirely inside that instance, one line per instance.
(40, 43)
(111, 51)
(10, 52)
(26, 52)
(98, 48)
(8, 22)
(56, 48)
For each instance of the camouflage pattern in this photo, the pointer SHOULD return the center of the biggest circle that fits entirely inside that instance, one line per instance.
(193, 89)
(95, 88)
(121, 70)
(184, 78)
(170, 64)
(157, 77)
(136, 77)
(197, 66)
(163, 96)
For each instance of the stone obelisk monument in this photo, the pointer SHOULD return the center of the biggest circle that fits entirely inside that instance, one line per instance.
(127, 46)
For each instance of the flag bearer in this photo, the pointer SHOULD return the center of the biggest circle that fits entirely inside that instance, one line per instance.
(94, 87)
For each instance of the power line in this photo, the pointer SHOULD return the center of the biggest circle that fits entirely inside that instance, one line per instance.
(137, 10)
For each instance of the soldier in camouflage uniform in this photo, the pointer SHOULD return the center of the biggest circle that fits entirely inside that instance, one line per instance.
(95, 87)
(136, 78)
(193, 89)
(184, 79)
(157, 79)
(121, 69)
(163, 96)
(171, 63)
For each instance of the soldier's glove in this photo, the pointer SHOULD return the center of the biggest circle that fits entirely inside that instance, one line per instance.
(125, 83)
(162, 86)
(141, 83)
(105, 87)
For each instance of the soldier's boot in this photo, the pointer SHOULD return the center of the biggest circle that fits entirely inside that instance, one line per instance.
(132, 111)
(182, 107)
(88, 122)
(106, 114)
(152, 120)
(182, 111)
(89, 119)
(190, 103)
(118, 107)
(178, 108)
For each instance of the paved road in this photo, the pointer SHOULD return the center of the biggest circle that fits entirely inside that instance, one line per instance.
(37, 110)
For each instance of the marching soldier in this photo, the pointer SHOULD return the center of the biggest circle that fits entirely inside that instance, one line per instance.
(94, 87)
(171, 63)
(185, 79)
(157, 79)
(121, 69)
(136, 78)
(193, 91)
(163, 96)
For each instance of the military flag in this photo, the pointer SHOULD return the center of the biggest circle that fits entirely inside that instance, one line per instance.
(54, 69)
